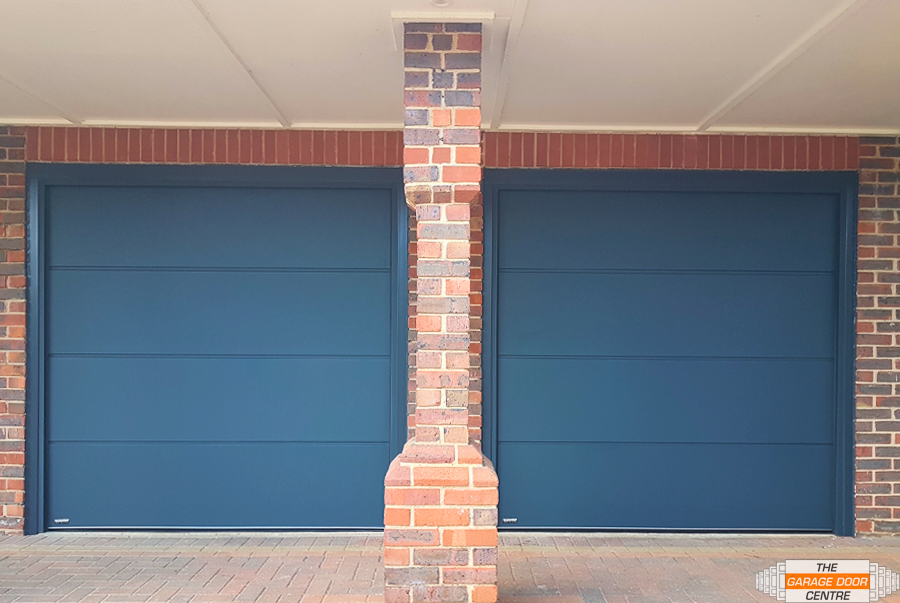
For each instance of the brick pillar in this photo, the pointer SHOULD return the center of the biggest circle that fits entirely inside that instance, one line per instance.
(12, 328)
(440, 515)
(878, 338)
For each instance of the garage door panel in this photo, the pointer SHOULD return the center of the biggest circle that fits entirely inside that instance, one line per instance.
(189, 484)
(667, 486)
(668, 230)
(227, 312)
(219, 227)
(665, 359)
(666, 314)
(110, 399)
(665, 400)
(220, 356)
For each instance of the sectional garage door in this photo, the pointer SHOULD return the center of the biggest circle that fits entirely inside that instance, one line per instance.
(217, 356)
(666, 359)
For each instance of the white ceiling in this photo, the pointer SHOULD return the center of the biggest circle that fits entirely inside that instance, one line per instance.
(605, 65)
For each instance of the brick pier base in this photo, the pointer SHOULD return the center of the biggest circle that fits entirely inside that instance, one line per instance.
(440, 519)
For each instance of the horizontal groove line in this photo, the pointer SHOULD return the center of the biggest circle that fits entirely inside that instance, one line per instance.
(166, 531)
(661, 271)
(228, 356)
(235, 442)
(829, 444)
(651, 531)
(679, 358)
(215, 269)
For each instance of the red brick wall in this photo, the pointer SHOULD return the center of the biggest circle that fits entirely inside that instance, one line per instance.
(878, 339)
(125, 145)
(877, 370)
(12, 328)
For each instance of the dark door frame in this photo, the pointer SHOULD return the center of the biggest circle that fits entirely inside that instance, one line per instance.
(41, 176)
(842, 184)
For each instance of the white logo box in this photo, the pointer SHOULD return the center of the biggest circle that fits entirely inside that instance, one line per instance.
(882, 581)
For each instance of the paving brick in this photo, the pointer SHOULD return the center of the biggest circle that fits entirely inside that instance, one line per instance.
(347, 568)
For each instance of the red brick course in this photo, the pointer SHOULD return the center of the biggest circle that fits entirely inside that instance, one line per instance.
(670, 151)
(192, 146)
(12, 328)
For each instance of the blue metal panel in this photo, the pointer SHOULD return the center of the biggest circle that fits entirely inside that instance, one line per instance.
(667, 351)
(216, 485)
(219, 312)
(213, 334)
(221, 227)
(767, 401)
(666, 314)
(667, 231)
(668, 486)
(209, 399)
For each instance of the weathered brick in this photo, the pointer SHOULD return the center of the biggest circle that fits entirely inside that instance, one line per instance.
(873, 464)
(461, 98)
(471, 496)
(412, 496)
(462, 27)
(470, 537)
(443, 79)
(411, 576)
(440, 594)
(468, 80)
(462, 136)
(441, 556)
(415, 79)
(420, 537)
(477, 575)
(451, 231)
(442, 42)
(430, 60)
(484, 593)
(421, 136)
(462, 60)
(415, 41)
(484, 517)
(422, 98)
(486, 556)
(442, 517)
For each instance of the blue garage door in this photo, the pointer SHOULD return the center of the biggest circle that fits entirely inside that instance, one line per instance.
(666, 359)
(217, 356)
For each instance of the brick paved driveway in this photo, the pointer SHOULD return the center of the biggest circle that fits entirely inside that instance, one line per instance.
(346, 568)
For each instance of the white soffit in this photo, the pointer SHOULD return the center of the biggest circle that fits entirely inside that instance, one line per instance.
(644, 63)
(335, 64)
(121, 61)
(602, 65)
(17, 106)
(849, 80)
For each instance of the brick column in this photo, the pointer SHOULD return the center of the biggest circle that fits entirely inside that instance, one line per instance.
(12, 328)
(878, 338)
(441, 493)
